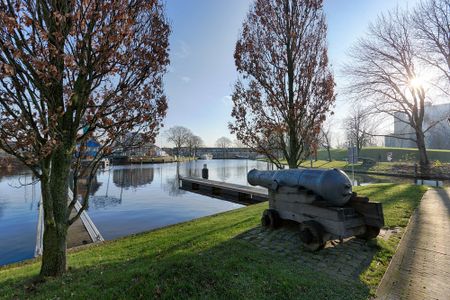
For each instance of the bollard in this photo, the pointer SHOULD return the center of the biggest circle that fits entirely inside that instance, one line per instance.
(205, 172)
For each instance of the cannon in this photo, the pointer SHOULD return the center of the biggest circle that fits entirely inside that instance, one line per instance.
(321, 201)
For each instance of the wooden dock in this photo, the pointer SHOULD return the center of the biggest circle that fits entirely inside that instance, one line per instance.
(83, 231)
(241, 194)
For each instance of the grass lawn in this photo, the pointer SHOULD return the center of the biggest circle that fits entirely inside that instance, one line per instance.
(203, 259)
(340, 164)
(380, 154)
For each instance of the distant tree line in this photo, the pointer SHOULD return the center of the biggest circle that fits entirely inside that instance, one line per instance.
(183, 137)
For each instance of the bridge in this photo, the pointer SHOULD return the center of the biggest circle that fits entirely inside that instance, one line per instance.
(216, 152)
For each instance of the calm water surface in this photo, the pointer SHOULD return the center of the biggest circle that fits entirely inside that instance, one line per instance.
(125, 200)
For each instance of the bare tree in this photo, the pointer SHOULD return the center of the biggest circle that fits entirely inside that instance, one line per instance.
(359, 128)
(385, 72)
(72, 72)
(223, 143)
(325, 137)
(179, 136)
(286, 88)
(193, 143)
(431, 21)
(238, 144)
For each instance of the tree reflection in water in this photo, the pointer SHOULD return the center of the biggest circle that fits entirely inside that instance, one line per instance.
(172, 186)
(104, 201)
(2, 207)
(133, 177)
(223, 171)
(192, 169)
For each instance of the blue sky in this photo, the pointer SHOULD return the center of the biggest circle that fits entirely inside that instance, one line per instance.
(202, 71)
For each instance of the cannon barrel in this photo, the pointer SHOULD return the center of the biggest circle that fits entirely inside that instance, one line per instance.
(333, 186)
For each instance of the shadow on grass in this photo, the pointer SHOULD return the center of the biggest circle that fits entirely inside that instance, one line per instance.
(233, 269)
(201, 259)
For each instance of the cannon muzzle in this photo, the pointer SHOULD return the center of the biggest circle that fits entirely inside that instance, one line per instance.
(333, 186)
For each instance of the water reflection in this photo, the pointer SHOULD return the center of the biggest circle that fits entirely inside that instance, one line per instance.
(223, 171)
(83, 187)
(2, 207)
(104, 201)
(133, 177)
(172, 187)
(191, 169)
(129, 199)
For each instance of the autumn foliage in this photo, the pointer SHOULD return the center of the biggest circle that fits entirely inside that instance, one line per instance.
(71, 71)
(286, 87)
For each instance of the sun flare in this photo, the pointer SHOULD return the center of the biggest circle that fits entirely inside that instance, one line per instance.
(416, 82)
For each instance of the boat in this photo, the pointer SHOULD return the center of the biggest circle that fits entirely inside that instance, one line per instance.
(207, 156)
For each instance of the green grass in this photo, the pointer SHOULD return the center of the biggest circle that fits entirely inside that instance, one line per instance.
(339, 164)
(380, 167)
(399, 202)
(203, 259)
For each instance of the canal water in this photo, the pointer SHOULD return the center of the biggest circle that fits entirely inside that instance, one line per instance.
(125, 200)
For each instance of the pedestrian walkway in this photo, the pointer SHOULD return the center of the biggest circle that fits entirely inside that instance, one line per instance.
(421, 267)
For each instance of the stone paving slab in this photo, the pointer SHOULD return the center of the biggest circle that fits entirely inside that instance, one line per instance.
(421, 267)
(345, 260)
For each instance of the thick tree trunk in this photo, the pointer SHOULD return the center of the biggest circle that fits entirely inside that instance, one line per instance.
(329, 154)
(54, 195)
(423, 156)
(292, 162)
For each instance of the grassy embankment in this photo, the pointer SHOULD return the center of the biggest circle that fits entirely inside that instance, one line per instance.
(385, 167)
(204, 259)
(403, 160)
(380, 154)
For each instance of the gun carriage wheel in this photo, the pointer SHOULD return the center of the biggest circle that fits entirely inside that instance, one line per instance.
(311, 234)
(270, 218)
(370, 233)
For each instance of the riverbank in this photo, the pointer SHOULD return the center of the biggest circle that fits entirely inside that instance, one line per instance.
(206, 258)
(438, 170)
(381, 154)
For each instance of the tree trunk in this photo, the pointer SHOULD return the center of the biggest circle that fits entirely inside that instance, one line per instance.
(292, 162)
(54, 198)
(329, 154)
(423, 156)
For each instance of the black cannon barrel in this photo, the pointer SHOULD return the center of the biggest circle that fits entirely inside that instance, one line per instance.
(332, 185)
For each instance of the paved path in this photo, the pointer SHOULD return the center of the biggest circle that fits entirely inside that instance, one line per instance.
(421, 267)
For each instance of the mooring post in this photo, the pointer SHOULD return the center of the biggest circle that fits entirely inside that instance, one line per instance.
(205, 171)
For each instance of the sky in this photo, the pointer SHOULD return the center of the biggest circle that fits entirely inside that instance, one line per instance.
(202, 71)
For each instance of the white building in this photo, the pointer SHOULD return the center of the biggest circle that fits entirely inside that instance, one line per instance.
(438, 137)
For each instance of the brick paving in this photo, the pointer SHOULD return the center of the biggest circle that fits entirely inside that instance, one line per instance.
(345, 260)
(421, 267)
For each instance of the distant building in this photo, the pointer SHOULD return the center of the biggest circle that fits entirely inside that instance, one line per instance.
(438, 137)
(135, 144)
(146, 149)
